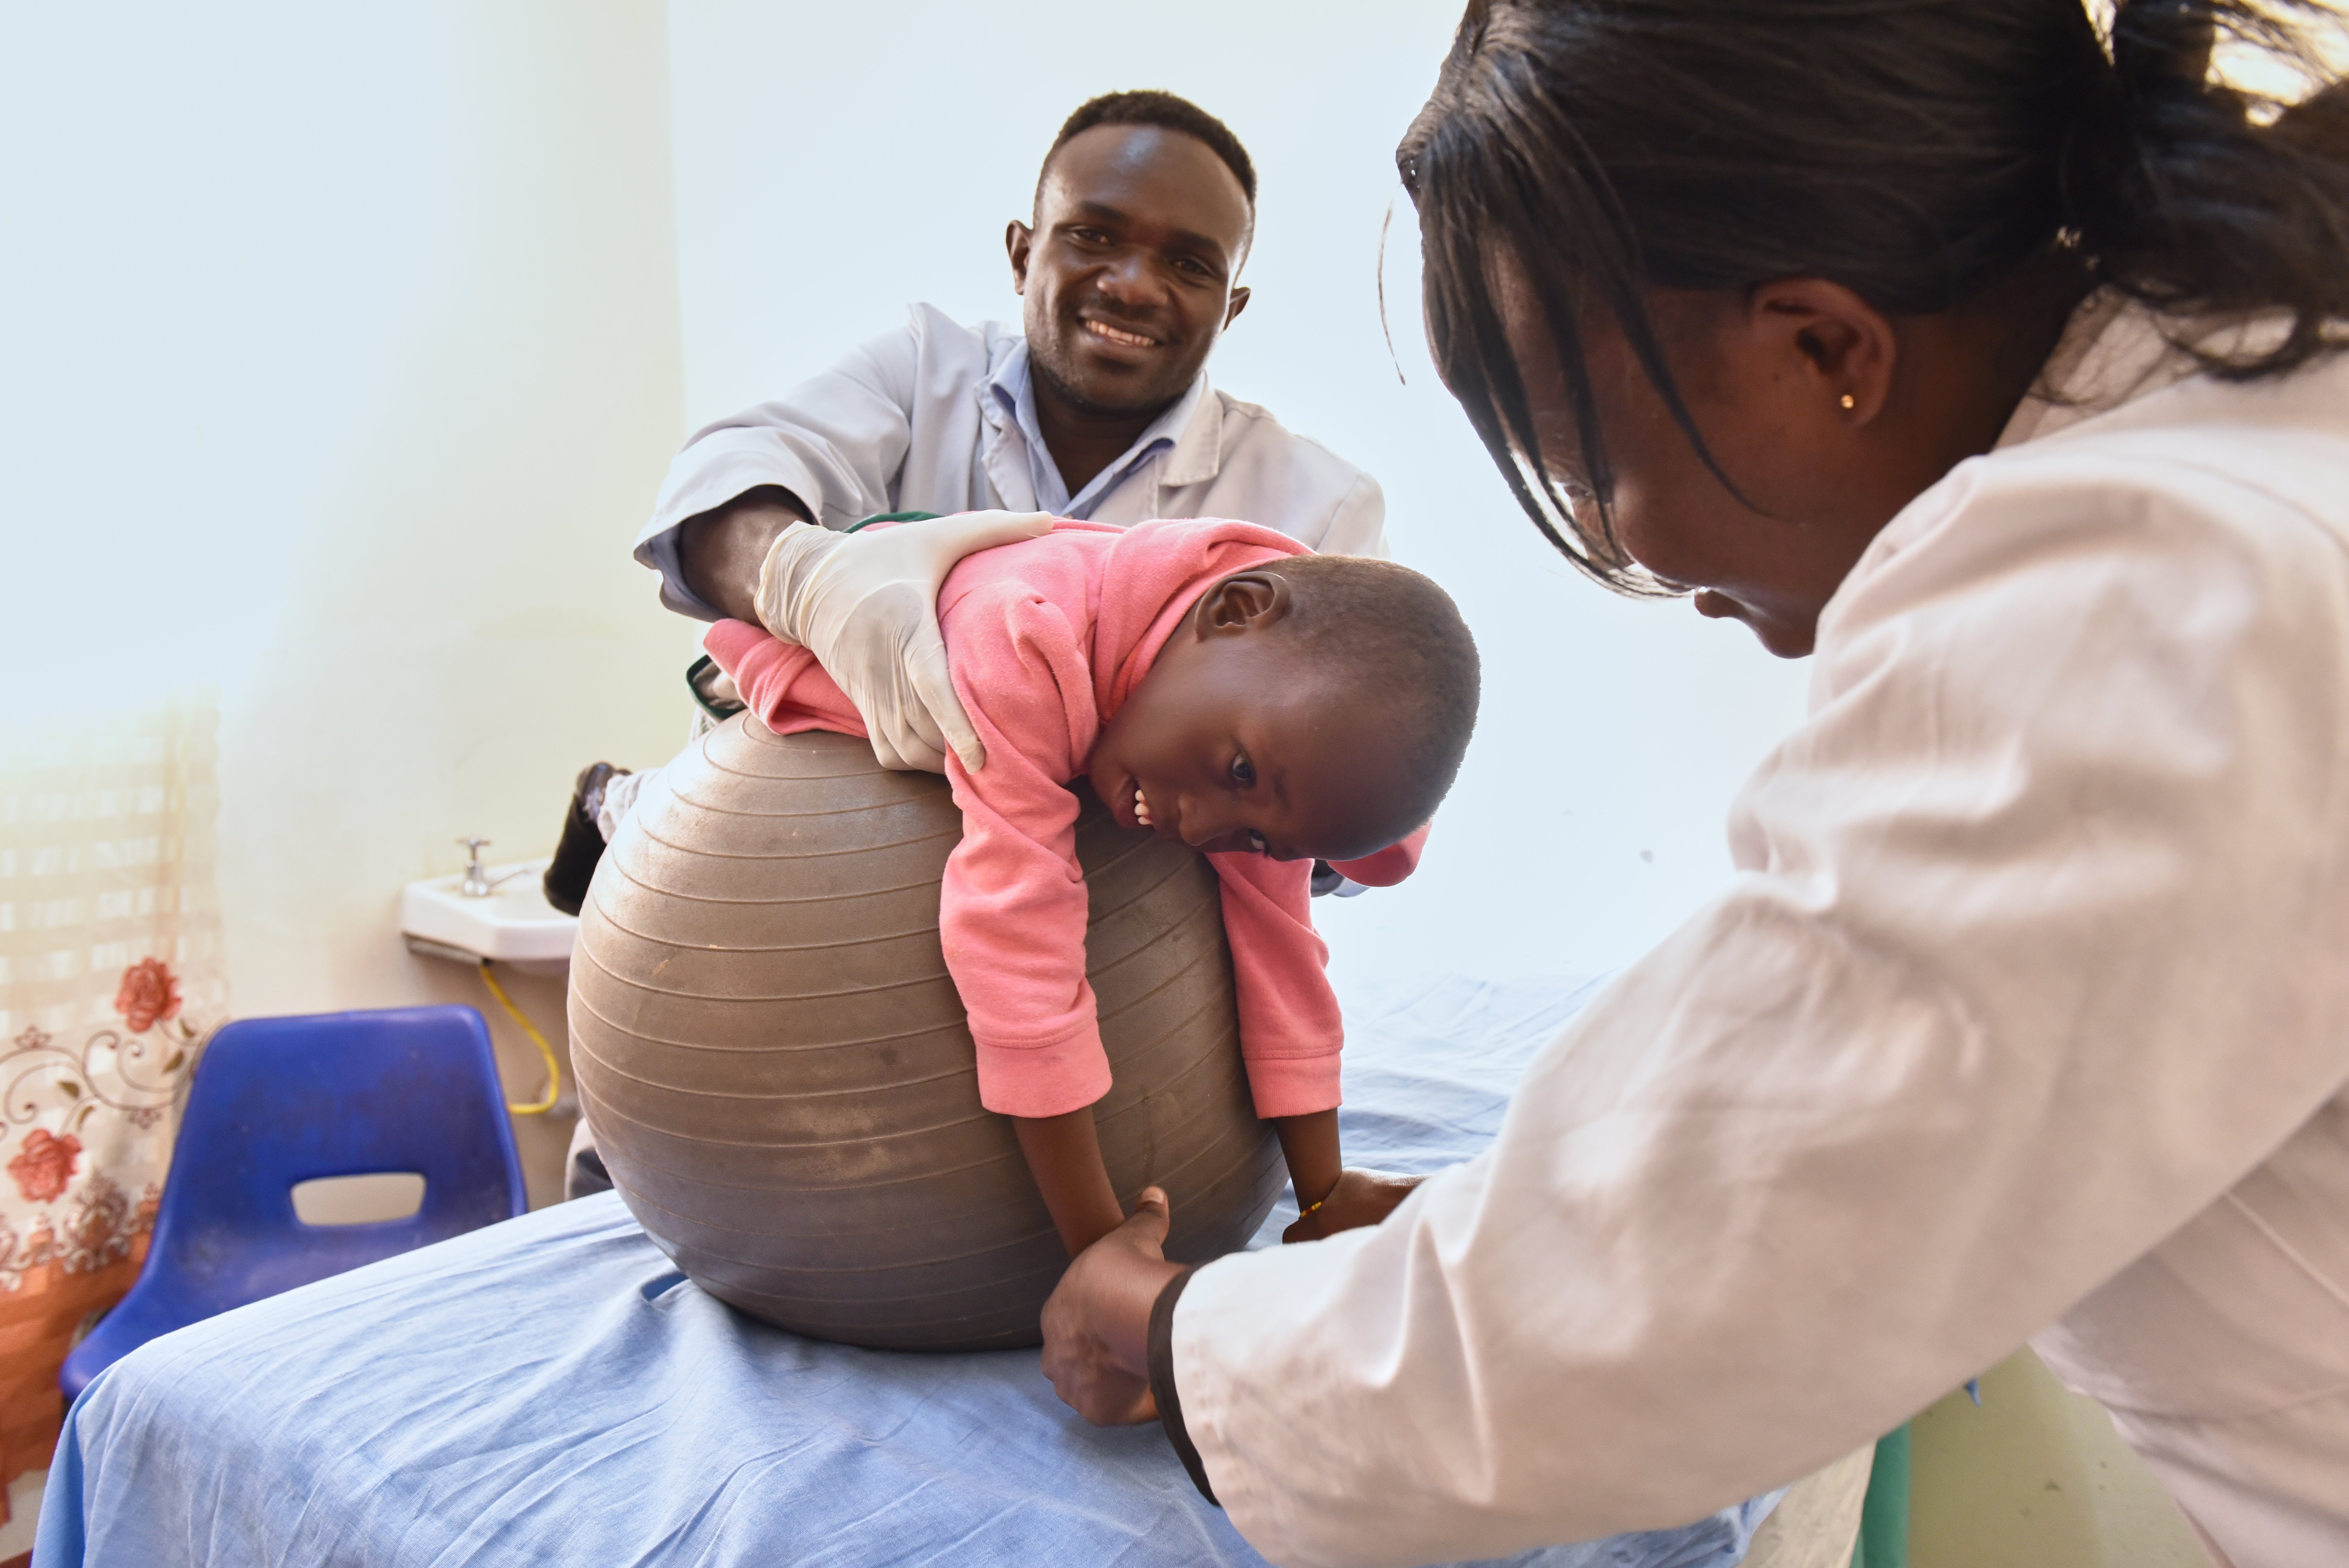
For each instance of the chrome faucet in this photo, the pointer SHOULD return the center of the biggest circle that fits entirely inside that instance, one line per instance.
(478, 882)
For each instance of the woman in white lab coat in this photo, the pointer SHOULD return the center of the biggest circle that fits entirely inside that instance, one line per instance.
(1993, 361)
(1997, 370)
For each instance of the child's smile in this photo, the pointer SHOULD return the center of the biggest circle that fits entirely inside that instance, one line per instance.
(1163, 819)
(1166, 820)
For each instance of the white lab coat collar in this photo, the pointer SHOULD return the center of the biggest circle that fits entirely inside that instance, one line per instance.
(1198, 453)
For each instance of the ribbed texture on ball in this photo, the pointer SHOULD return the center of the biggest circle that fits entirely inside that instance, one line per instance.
(776, 1067)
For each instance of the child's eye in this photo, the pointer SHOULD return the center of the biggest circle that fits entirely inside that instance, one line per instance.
(1243, 771)
(1256, 843)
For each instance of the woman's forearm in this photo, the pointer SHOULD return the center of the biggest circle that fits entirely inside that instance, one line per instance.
(1064, 1156)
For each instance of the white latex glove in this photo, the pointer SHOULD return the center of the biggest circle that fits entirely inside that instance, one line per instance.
(866, 605)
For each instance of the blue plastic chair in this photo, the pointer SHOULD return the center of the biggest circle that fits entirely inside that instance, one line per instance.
(278, 1101)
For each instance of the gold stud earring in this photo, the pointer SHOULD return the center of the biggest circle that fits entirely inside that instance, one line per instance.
(1850, 401)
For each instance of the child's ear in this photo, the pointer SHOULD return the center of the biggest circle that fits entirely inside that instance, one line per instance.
(1242, 602)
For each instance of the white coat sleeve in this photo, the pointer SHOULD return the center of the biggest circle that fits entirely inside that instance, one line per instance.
(2033, 953)
(834, 441)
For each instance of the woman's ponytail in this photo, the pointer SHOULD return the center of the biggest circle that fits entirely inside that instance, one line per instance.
(2208, 201)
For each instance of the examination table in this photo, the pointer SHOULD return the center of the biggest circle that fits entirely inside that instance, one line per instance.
(550, 1389)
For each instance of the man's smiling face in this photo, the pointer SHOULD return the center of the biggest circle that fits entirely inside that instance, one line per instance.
(1127, 274)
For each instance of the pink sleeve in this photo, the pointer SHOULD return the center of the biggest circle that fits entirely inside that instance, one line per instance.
(781, 682)
(1012, 913)
(1290, 1028)
(1389, 866)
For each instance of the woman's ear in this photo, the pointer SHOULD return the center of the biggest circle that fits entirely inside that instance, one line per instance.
(1242, 602)
(1838, 347)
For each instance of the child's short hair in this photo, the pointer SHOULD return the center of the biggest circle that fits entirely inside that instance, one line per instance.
(1387, 628)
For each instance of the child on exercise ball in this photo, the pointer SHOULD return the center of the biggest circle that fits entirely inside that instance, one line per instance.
(1216, 683)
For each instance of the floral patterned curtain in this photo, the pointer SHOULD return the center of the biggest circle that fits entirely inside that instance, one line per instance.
(110, 977)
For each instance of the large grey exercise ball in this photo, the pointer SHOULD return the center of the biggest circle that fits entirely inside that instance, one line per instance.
(775, 1065)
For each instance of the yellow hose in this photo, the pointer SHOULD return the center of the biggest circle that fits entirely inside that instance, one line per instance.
(553, 1070)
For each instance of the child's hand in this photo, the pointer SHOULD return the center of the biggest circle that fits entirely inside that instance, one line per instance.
(1359, 1198)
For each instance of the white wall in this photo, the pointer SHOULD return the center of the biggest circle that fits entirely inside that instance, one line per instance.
(340, 354)
(338, 361)
(834, 162)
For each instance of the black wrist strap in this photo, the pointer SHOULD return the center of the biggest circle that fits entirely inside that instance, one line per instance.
(1162, 1380)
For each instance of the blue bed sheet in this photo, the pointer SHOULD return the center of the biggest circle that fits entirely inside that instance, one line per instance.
(552, 1390)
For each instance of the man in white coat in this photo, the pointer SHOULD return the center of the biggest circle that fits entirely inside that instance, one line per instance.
(1100, 409)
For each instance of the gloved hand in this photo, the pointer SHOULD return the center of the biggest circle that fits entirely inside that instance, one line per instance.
(866, 605)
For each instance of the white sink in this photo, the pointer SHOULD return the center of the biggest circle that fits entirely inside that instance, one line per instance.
(513, 924)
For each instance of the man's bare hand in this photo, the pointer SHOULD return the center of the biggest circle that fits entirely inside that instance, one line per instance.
(1097, 1322)
(720, 551)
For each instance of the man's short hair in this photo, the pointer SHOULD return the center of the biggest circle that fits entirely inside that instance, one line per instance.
(1167, 112)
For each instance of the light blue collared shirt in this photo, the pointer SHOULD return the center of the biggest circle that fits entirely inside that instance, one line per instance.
(1012, 386)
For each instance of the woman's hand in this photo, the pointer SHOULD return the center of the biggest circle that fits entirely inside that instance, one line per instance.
(1359, 1198)
(1097, 1322)
(866, 605)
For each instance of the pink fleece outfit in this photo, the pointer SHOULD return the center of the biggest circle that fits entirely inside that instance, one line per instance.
(1045, 640)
